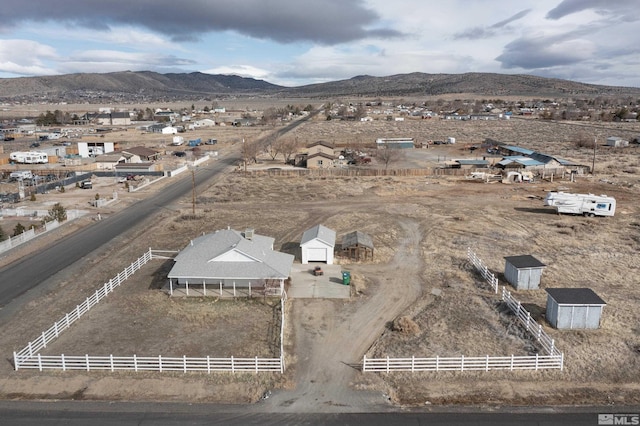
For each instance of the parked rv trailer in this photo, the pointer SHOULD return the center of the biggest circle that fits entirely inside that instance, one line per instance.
(585, 204)
(178, 140)
(21, 175)
(29, 157)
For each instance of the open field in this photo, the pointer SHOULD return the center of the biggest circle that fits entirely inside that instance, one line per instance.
(421, 228)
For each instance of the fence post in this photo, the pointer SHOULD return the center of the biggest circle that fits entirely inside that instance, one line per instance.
(437, 362)
(364, 363)
(561, 361)
(233, 366)
(413, 363)
(30, 350)
(64, 367)
(536, 362)
(55, 327)
(487, 364)
(111, 361)
(15, 361)
(184, 363)
(387, 363)
(462, 363)
(511, 367)
(44, 340)
(39, 362)
(256, 364)
(208, 365)
(86, 357)
(135, 363)
(160, 363)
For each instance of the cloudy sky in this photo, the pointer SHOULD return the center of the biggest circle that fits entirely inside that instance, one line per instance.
(293, 43)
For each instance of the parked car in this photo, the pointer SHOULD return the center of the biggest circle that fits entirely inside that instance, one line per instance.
(180, 154)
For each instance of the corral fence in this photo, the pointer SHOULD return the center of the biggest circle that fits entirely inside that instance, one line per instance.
(482, 269)
(552, 359)
(30, 358)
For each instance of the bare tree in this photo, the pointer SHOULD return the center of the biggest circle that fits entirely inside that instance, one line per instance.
(289, 147)
(249, 152)
(388, 156)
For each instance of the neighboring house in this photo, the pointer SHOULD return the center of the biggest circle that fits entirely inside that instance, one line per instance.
(511, 150)
(114, 119)
(317, 245)
(319, 160)
(357, 245)
(205, 122)
(131, 168)
(321, 147)
(574, 308)
(94, 149)
(144, 153)
(109, 161)
(231, 259)
(519, 162)
(169, 130)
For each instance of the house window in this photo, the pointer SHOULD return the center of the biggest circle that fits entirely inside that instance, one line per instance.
(319, 162)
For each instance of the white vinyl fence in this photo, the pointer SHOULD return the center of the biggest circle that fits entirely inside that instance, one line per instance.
(30, 358)
(462, 363)
(483, 270)
(552, 359)
(535, 329)
(31, 233)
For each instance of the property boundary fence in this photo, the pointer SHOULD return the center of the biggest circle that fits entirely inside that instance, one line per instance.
(483, 270)
(535, 329)
(32, 233)
(462, 363)
(30, 358)
(350, 172)
(553, 358)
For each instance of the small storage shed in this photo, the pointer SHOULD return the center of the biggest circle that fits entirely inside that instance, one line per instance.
(523, 272)
(357, 245)
(317, 245)
(574, 308)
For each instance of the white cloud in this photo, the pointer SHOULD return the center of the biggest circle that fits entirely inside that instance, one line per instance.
(26, 57)
(242, 71)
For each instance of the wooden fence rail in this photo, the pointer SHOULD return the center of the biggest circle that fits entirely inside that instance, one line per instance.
(483, 270)
(462, 363)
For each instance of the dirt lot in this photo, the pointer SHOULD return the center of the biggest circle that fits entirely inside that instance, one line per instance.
(421, 227)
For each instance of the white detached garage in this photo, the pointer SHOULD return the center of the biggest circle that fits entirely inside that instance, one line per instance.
(317, 245)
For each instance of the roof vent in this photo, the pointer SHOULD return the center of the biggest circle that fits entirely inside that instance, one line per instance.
(248, 233)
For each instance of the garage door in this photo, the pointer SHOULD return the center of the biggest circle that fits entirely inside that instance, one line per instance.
(317, 255)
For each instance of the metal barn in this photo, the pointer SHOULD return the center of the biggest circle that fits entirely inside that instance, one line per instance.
(574, 308)
(523, 272)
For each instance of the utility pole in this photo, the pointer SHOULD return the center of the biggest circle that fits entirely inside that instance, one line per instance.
(193, 192)
(593, 161)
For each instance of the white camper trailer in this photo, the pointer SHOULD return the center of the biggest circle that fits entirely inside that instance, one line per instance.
(178, 140)
(585, 204)
(29, 157)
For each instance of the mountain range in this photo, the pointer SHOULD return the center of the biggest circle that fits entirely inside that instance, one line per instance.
(152, 85)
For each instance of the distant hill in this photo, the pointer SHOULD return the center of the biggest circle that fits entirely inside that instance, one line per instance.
(149, 85)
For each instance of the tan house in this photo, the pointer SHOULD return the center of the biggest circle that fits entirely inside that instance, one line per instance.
(320, 155)
(320, 146)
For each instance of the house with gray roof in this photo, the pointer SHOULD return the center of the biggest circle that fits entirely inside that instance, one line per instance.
(231, 259)
(317, 245)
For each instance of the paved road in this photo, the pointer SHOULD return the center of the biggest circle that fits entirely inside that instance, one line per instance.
(19, 277)
(170, 414)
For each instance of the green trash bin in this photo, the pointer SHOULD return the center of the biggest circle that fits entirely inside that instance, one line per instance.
(346, 277)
